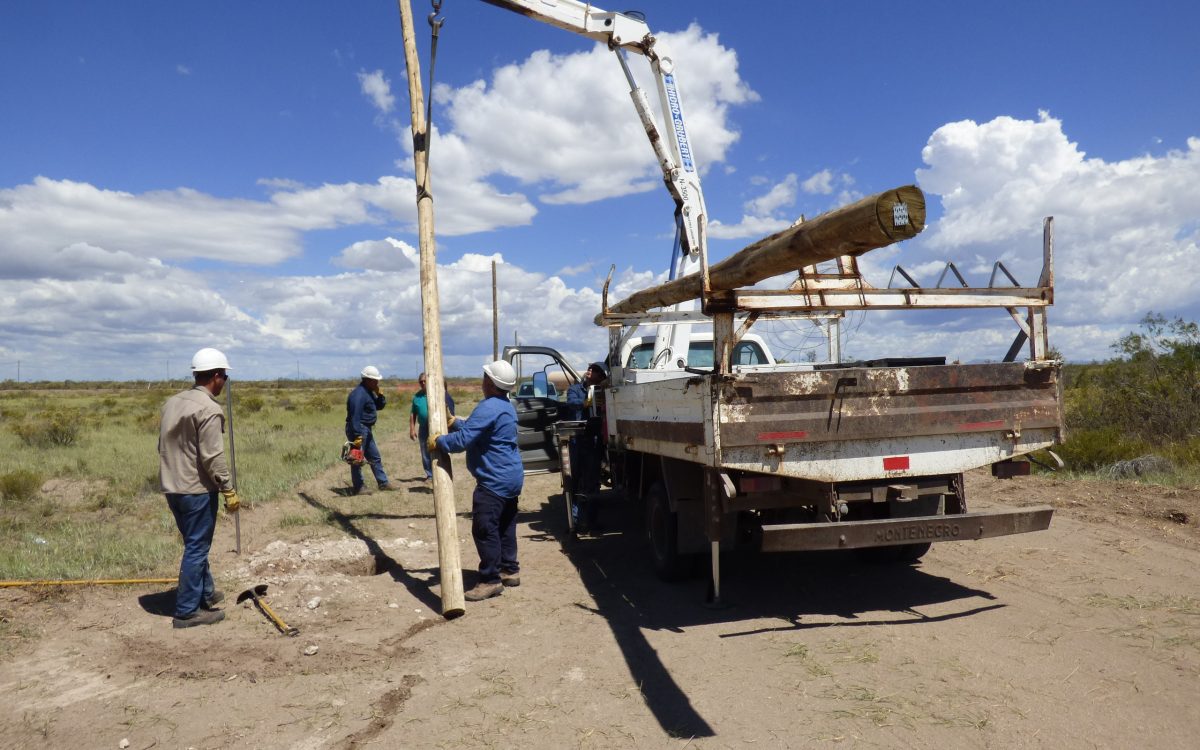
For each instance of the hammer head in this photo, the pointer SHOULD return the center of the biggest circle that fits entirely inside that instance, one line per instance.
(252, 593)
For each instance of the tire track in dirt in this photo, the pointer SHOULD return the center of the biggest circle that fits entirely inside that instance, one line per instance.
(383, 713)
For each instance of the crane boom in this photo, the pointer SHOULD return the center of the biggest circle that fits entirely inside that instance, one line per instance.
(613, 29)
(629, 33)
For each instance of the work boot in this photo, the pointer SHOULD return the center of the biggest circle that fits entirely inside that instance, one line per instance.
(388, 487)
(212, 600)
(510, 579)
(484, 591)
(199, 617)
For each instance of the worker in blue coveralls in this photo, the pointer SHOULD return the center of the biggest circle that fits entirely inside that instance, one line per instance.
(586, 449)
(362, 410)
(489, 436)
(418, 422)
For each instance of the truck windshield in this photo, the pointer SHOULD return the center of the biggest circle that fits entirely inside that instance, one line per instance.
(700, 354)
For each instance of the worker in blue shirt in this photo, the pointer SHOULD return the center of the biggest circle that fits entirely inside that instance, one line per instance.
(489, 436)
(362, 410)
(586, 449)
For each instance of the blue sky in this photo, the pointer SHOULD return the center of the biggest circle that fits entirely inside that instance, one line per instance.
(178, 175)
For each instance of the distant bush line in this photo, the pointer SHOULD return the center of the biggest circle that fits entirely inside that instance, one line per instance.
(1140, 409)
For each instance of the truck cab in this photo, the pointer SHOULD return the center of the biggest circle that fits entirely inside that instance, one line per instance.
(752, 350)
(543, 376)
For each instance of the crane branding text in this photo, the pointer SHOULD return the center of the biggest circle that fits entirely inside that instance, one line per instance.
(685, 150)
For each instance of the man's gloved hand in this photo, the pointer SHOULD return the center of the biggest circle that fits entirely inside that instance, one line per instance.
(431, 443)
(232, 501)
(357, 441)
(450, 420)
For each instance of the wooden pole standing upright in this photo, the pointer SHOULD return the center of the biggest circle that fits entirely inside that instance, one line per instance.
(453, 603)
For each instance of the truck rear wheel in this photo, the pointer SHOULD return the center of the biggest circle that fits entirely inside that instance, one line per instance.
(662, 531)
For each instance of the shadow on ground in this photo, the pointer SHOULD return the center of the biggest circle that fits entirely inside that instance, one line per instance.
(784, 589)
(421, 589)
(161, 603)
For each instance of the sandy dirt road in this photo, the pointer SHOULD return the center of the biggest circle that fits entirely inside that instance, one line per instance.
(1086, 635)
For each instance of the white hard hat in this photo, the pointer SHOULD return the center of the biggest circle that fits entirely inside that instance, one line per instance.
(502, 374)
(209, 359)
(371, 372)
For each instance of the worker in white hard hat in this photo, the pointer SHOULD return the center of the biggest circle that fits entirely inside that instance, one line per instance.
(489, 436)
(192, 473)
(362, 411)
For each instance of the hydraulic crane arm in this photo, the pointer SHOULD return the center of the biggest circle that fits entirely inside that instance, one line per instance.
(613, 29)
(629, 33)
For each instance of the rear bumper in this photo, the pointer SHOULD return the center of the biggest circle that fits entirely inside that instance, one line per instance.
(894, 531)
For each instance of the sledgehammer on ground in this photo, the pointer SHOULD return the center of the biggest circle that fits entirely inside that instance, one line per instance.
(256, 594)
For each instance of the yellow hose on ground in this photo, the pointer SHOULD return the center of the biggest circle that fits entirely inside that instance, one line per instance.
(88, 582)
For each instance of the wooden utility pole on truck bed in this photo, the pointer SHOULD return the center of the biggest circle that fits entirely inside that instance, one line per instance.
(873, 222)
(453, 603)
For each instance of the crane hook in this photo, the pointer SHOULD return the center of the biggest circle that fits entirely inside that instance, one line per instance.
(435, 21)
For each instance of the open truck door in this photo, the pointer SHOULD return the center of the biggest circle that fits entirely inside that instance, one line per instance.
(543, 376)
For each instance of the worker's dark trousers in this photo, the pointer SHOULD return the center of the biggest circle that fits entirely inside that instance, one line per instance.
(426, 459)
(495, 531)
(585, 466)
(374, 460)
(196, 518)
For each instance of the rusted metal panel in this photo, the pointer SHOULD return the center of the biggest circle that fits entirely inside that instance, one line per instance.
(674, 432)
(868, 403)
(890, 532)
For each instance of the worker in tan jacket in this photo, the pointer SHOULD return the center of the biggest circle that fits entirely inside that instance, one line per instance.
(192, 472)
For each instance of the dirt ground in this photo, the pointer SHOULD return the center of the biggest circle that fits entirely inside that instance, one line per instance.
(1085, 635)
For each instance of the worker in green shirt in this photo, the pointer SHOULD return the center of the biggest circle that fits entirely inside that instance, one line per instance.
(418, 422)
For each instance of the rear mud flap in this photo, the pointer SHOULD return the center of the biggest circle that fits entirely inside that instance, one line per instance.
(893, 531)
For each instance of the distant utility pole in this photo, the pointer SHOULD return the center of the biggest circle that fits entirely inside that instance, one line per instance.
(18, 371)
(297, 369)
(495, 318)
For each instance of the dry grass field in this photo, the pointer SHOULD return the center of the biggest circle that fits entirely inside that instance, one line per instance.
(1086, 635)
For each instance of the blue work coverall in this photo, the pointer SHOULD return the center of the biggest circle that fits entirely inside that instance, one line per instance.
(489, 436)
(585, 459)
(362, 407)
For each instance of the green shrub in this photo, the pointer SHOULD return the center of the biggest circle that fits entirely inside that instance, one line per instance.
(19, 485)
(251, 404)
(48, 429)
(1185, 452)
(149, 421)
(301, 455)
(320, 403)
(1091, 449)
(1152, 392)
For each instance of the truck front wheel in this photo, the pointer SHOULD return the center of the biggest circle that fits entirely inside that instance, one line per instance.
(662, 531)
